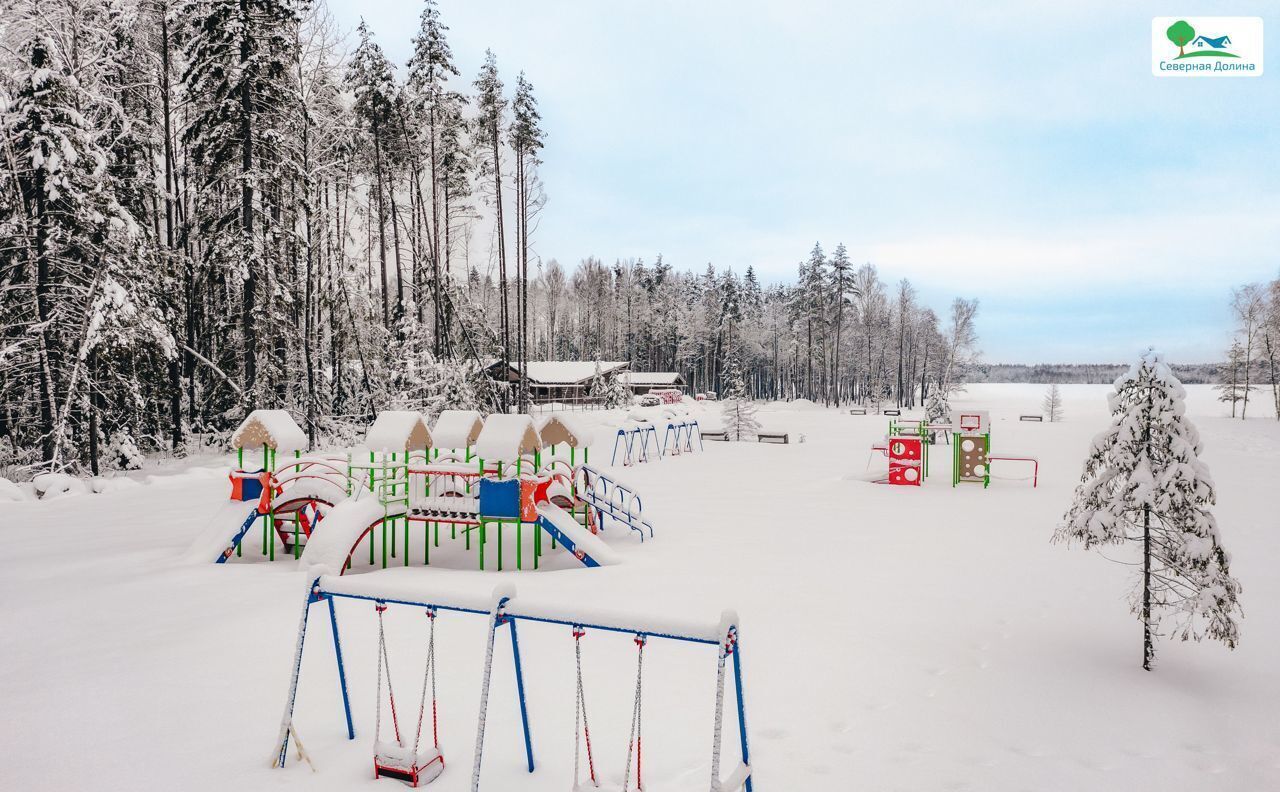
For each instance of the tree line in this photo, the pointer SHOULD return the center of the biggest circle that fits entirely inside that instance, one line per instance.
(210, 206)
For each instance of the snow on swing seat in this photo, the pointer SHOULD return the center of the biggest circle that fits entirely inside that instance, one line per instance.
(390, 760)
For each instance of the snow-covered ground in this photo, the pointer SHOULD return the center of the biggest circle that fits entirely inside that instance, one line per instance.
(892, 638)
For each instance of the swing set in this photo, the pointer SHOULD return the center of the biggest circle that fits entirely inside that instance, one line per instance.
(416, 765)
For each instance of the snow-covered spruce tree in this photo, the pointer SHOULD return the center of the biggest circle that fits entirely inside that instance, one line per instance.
(597, 389)
(1145, 485)
(68, 245)
(739, 411)
(616, 394)
(240, 56)
(937, 410)
(1053, 403)
(1231, 385)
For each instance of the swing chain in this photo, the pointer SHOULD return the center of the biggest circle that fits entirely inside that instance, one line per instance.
(581, 730)
(634, 743)
(383, 660)
(428, 676)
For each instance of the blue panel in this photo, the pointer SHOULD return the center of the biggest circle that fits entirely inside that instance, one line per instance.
(500, 499)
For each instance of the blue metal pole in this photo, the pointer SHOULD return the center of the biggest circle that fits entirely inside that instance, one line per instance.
(742, 709)
(342, 671)
(524, 710)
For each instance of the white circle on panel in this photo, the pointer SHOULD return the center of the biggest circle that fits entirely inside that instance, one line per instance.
(911, 474)
(897, 449)
(979, 470)
(967, 445)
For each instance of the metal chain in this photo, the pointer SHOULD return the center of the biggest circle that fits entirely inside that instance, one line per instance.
(633, 744)
(715, 740)
(428, 676)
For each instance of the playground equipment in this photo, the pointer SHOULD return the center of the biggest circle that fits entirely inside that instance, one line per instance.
(907, 449)
(679, 436)
(502, 609)
(288, 498)
(502, 477)
(633, 440)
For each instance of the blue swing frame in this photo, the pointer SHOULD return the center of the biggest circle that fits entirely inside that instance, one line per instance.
(500, 616)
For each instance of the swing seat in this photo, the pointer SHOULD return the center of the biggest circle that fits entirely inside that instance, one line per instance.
(392, 761)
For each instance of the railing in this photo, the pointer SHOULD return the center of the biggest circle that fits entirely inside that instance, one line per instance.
(611, 499)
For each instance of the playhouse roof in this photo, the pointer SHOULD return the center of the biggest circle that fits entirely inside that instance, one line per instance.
(398, 430)
(506, 437)
(457, 428)
(274, 429)
(554, 429)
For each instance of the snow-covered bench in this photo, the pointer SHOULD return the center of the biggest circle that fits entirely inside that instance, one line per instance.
(773, 437)
(1037, 418)
(712, 434)
(892, 412)
(858, 411)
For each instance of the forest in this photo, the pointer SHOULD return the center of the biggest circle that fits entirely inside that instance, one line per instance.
(211, 206)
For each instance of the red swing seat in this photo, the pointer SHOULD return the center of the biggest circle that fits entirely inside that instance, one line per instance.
(390, 760)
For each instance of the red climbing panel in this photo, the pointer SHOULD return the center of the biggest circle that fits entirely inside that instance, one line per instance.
(906, 461)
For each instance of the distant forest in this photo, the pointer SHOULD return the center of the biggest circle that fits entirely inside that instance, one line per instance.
(1083, 373)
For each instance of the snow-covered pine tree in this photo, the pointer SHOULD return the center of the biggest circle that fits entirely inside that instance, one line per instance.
(1053, 403)
(68, 244)
(240, 58)
(597, 389)
(616, 394)
(736, 407)
(937, 409)
(1144, 485)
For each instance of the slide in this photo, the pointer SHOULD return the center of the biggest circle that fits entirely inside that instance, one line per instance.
(585, 545)
(218, 541)
(344, 525)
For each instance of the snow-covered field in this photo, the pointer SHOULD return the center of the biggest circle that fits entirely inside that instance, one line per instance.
(892, 638)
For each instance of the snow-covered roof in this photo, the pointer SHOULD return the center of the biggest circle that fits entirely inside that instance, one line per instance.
(555, 429)
(566, 372)
(271, 428)
(398, 430)
(507, 437)
(651, 378)
(457, 428)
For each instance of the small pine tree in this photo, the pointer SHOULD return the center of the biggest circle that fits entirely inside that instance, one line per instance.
(1053, 404)
(937, 409)
(1144, 484)
(739, 411)
(597, 389)
(1231, 386)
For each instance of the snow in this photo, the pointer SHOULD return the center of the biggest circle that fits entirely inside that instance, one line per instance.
(506, 437)
(566, 372)
(892, 638)
(555, 429)
(397, 431)
(10, 492)
(457, 428)
(274, 428)
(328, 548)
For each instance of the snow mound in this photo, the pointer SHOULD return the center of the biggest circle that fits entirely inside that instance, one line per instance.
(10, 492)
(56, 485)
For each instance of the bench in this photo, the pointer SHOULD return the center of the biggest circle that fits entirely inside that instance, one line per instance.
(858, 411)
(892, 412)
(773, 437)
(1037, 418)
(715, 435)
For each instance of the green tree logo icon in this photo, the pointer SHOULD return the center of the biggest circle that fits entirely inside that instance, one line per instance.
(1181, 34)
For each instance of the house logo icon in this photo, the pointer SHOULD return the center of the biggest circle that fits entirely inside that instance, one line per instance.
(1193, 45)
(1206, 46)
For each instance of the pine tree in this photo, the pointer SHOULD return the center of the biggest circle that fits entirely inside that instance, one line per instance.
(491, 108)
(1144, 484)
(239, 55)
(527, 137)
(1053, 404)
(69, 247)
(1231, 386)
(736, 407)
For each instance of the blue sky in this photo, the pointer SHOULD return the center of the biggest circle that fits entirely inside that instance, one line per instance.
(1023, 155)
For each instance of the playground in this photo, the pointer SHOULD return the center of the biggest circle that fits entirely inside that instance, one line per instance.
(868, 636)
